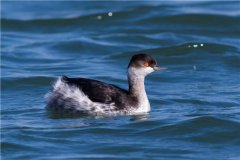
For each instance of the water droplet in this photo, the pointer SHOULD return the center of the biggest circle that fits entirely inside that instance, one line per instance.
(194, 68)
(99, 17)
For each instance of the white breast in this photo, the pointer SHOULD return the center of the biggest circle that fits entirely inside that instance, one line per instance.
(143, 106)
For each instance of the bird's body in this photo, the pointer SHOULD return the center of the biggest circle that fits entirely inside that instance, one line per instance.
(88, 96)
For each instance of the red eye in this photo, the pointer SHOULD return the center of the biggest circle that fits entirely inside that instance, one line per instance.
(146, 64)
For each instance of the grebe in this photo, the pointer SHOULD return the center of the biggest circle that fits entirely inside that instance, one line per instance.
(88, 96)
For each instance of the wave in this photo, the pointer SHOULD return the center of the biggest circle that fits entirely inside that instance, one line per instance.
(202, 129)
(181, 50)
(25, 82)
(153, 20)
(193, 19)
(10, 145)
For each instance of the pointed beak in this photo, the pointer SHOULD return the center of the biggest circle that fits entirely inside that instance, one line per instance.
(156, 67)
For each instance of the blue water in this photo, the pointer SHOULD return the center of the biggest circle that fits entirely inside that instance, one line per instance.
(195, 102)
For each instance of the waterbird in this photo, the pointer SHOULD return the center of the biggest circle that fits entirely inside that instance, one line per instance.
(89, 96)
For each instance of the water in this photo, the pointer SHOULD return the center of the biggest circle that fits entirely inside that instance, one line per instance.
(195, 102)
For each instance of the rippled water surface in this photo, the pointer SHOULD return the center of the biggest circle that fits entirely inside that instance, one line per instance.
(195, 102)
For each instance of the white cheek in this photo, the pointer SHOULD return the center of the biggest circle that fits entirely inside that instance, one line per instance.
(140, 71)
(148, 70)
